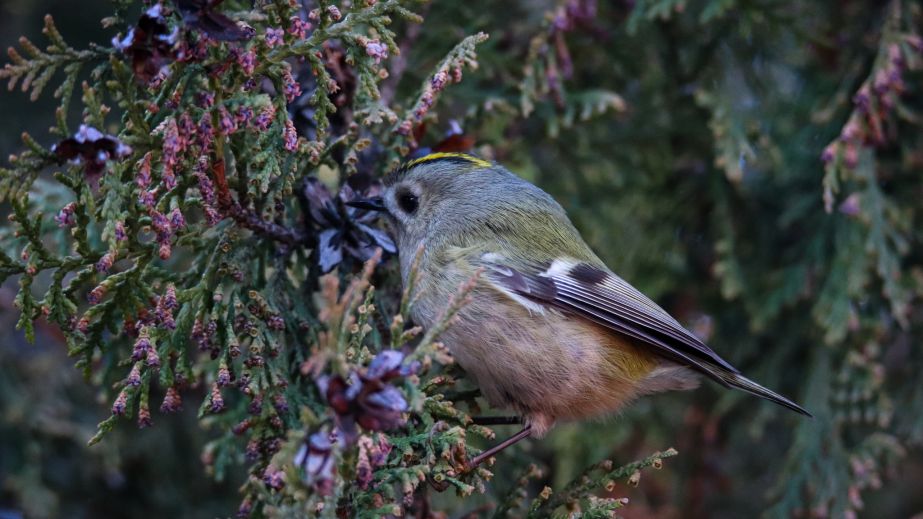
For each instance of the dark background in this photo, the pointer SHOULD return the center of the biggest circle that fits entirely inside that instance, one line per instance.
(705, 192)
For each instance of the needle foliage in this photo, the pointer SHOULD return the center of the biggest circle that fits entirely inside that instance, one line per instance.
(181, 233)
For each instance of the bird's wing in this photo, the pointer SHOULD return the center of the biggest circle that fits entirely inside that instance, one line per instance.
(596, 294)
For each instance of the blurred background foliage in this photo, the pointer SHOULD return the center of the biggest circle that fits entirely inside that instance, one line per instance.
(690, 141)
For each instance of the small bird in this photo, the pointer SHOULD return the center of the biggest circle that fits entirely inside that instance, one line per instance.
(550, 332)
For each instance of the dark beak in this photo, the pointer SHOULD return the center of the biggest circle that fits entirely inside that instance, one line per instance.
(369, 204)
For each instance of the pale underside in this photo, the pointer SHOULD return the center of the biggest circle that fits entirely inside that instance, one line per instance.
(547, 365)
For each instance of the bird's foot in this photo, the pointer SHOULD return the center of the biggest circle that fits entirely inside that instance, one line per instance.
(474, 462)
(496, 420)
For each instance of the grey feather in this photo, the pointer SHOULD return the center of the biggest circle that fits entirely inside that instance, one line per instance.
(526, 336)
(613, 303)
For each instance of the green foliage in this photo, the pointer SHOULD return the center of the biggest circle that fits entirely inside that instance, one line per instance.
(752, 166)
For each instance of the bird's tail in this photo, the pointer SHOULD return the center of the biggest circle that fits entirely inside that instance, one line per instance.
(736, 380)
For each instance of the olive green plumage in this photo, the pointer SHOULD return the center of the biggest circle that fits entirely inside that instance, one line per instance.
(550, 332)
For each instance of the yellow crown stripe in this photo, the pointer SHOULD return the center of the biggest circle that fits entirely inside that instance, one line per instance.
(432, 157)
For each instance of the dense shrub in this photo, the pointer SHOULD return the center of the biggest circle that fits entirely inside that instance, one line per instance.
(753, 167)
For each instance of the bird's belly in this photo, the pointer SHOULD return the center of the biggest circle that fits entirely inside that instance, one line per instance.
(546, 364)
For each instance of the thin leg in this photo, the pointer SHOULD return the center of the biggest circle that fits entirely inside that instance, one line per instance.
(496, 420)
(493, 451)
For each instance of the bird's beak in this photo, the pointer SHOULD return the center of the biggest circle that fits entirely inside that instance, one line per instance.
(369, 204)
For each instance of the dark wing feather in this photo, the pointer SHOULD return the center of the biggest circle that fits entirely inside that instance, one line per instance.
(600, 296)
(606, 299)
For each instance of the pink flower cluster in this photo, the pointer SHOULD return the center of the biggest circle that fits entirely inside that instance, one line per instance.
(177, 220)
(334, 13)
(275, 322)
(205, 133)
(437, 84)
(105, 263)
(173, 146)
(874, 101)
(182, 136)
(371, 456)
(224, 375)
(202, 334)
(298, 28)
(96, 295)
(290, 136)
(144, 350)
(172, 401)
(134, 377)
(227, 124)
(217, 401)
(65, 217)
(264, 120)
(247, 62)
(143, 176)
(273, 477)
(375, 49)
(244, 115)
(274, 37)
(207, 190)
(120, 234)
(166, 304)
(291, 88)
(121, 402)
(165, 228)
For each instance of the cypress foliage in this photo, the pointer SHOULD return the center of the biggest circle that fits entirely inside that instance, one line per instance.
(181, 230)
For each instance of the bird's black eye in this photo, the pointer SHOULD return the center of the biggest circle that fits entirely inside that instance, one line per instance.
(408, 202)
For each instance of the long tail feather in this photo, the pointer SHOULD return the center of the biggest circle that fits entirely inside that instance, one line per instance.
(743, 383)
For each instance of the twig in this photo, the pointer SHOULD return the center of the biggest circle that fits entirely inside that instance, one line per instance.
(585, 484)
(248, 220)
(399, 62)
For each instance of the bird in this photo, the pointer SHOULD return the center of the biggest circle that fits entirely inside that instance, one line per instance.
(549, 331)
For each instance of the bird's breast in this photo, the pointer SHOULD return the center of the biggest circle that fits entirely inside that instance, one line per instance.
(547, 362)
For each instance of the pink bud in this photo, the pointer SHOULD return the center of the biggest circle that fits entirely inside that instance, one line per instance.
(274, 37)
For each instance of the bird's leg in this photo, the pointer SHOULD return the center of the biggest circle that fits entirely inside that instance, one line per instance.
(496, 420)
(493, 451)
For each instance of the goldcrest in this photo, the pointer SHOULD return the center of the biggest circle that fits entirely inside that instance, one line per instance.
(550, 332)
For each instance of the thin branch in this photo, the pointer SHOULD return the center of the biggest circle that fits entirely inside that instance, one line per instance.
(249, 220)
